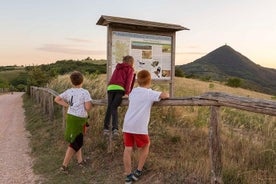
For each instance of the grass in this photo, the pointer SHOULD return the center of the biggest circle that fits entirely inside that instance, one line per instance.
(179, 150)
(9, 75)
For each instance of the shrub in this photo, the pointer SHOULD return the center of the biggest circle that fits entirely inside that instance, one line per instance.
(231, 176)
(179, 72)
(234, 82)
(211, 86)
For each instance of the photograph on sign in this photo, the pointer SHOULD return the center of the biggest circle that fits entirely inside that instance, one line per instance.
(150, 52)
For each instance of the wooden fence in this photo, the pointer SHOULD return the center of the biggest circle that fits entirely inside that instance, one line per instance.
(215, 100)
(45, 97)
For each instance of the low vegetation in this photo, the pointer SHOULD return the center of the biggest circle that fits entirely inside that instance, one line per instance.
(179, 140)
(11, 78)
(20, 78)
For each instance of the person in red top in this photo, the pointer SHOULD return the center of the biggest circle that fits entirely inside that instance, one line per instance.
(119, 86)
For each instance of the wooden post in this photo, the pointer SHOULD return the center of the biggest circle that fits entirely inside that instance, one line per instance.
(47, 100)
(31, 92)
(215, 147)
(44, 101)
(40, 95)
(37, 95)
(110, 143)
(51, 107)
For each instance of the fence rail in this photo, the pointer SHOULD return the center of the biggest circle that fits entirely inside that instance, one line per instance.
(45, 97)
(215, 100)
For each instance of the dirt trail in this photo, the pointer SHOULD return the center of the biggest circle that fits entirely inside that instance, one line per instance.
(15, 161)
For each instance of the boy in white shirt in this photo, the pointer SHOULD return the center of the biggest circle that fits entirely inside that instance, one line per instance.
(78, 101)
(135, 127)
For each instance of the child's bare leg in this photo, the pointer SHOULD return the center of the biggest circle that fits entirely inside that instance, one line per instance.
(144, 151)
(127, 160)
(68, 155)
(79, 156)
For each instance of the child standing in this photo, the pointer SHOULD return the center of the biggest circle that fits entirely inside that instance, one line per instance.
(135, 127)
(119, 86)
(78, 101)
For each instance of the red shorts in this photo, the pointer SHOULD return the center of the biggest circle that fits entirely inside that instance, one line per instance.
(84, 129)
(139, 139)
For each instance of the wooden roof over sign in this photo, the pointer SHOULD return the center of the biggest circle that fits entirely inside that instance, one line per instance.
(138, 24)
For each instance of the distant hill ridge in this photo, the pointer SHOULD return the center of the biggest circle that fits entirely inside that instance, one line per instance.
(224, 63)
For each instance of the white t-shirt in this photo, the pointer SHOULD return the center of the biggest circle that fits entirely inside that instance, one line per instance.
(138, 113)
(76, 97)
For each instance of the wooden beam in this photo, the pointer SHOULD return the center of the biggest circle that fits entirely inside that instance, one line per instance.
(215, 147)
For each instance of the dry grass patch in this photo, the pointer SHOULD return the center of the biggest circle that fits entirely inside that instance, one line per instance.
(179, 150)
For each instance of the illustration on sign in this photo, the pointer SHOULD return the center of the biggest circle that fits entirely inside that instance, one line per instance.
(150, 52)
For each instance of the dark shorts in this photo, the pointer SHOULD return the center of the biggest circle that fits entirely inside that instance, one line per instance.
(78, 142)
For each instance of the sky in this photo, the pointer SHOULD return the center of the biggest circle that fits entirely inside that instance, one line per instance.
(34, 32)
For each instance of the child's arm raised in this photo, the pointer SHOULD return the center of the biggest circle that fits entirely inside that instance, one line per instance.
(60, 101)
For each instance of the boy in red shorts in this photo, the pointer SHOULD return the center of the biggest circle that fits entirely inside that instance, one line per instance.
(136, 122)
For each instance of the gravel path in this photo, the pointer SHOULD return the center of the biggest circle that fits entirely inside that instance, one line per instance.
(15, 161)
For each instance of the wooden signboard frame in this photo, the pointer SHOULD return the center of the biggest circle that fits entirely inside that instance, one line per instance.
(152, 44)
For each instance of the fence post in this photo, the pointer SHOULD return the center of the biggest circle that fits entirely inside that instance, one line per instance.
(44, 101)
(51, 107)
(31, 92)
(215, 147)
(37, 95)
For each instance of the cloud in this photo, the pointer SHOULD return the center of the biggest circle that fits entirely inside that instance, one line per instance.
(193, 47)
(60, 48)
(191, 50)
(67, 49)
(79, 40)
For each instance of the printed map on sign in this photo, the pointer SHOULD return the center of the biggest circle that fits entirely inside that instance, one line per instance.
(150, 52)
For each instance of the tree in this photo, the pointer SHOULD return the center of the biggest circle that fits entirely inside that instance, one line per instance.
(234, 82)
(36, 77)
(3, 83)
(179, 72)
(20, 79)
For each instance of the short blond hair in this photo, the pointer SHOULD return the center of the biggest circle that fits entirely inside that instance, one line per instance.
(143, 78)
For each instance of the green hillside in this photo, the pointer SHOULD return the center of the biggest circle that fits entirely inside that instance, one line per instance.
(10, 75)
(10, 78)
(224, 63)
(20, 78)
